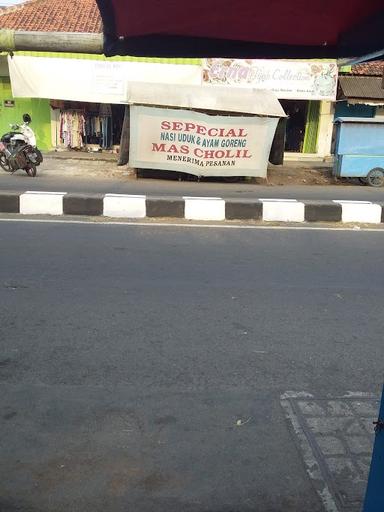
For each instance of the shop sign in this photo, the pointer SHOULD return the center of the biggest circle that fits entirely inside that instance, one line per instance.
(9, 103)
(200, 144)
(305, 80)
(93, 81)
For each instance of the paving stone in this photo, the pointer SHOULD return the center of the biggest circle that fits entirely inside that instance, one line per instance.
(311, 408)
(360, 444)
(330, 445)
(366, 407)
(336, 436)
(338, 408)
(348, 480)
(368, 425)
(354, 427)
(364, 464)
(327, 425)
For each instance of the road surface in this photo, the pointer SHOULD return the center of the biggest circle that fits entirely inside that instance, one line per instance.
(60, 175)
(143, 367)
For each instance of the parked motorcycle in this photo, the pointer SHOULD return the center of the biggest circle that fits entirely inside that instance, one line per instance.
(18, 149)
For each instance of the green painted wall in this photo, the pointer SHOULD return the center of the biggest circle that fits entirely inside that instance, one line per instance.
(38, 109)
(312, 127)
(87, 56)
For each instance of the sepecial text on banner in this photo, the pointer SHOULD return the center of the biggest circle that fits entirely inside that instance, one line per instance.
(200, 144)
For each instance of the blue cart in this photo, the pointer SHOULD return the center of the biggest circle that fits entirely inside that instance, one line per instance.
(359, 151)
(374, 498)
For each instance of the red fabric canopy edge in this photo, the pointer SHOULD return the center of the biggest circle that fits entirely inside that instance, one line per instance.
(280, 29)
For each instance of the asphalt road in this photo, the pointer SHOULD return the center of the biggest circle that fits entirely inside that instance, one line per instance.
(141, 368)
(95, 182)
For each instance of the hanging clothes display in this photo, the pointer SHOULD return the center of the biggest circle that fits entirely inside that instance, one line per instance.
(87, 126)
(92, 129)
(72, 129)
(106, 126)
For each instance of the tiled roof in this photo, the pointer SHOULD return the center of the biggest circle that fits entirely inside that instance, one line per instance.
(374, 68)
(53, 16)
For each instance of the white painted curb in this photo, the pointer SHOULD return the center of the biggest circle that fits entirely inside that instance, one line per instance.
(204, 208)
(41, 203)
(364, 212)
(287, 210)
(124, 206)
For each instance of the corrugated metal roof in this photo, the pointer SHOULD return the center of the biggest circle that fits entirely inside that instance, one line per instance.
(364, 87)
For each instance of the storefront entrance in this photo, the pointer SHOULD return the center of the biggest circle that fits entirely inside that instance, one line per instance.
(297, 118)
(87, 126)
(302, 125)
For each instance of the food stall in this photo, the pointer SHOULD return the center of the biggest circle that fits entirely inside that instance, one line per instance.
(211, 131)
(359, 151)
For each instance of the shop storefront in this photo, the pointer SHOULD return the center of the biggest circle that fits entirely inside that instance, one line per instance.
(84, 97)
(12, 109)
(306, 90)
(87, 96)
(86, 126)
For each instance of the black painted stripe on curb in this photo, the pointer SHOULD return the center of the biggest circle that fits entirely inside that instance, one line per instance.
(243, 210)
(322, 211)
(76, 204)
(165, 207)
(382, 211)
(10, 202)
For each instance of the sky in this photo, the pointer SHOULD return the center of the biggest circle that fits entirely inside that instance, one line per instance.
(7, 3)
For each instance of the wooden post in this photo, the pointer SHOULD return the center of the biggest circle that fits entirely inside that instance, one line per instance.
(125, 135)
(68, 42)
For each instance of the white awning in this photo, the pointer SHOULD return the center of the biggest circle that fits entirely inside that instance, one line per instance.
(119, 82)
(95, 81)
(216, 98)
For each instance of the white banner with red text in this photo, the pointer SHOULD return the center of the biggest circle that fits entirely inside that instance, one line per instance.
(200, 144)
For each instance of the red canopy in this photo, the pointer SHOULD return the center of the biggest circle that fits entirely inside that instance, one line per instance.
(243, 28)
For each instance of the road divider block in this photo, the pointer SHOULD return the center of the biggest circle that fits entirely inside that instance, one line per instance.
(322, 211)
(246, 209)
(160, 207)
(191, 208)
(283, 210)
(9, 202)
(363, 212)
(78, 204)
(204, 208)
(125, 206)
(41, 203)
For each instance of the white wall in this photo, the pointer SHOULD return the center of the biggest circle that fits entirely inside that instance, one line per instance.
(324, 139)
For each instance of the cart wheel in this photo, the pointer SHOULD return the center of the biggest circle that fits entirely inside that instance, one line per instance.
(375, 177)
(363, 181)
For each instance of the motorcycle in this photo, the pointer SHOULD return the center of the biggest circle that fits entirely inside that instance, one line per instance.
(18, 149)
